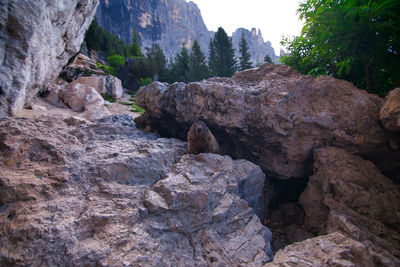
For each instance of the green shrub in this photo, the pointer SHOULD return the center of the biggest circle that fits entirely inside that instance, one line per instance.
(145, 81)
(105, 68)
(116, 62)
(108, 98)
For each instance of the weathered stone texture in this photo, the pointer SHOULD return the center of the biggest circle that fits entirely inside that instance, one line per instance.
(37, 38)
(350, 195)
(106, 194)
(275, 117)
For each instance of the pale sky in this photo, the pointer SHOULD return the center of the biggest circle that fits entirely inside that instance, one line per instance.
(273, 17)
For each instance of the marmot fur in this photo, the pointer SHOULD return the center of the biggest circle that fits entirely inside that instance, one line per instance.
(201, 140)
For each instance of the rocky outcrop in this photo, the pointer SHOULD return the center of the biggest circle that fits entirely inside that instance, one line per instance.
(81, 66)
(390, 112)
(331, 250)
(258, 49)
(103, 193)
(275, 117)
(169, 23)
(37, 38)
(350, 195)
(81, 86)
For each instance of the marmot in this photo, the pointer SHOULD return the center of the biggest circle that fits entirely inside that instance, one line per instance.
(201, 140)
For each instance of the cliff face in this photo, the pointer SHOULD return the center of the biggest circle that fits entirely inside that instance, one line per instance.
(258, 48)
(37, 38)
(166, 22)
(169, 23)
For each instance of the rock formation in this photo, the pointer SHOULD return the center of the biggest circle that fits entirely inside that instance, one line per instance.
(257, 47)
(87, 84)
(390, 112)
(37, 38)
(105, 193)
(331, 250)
(170, 23)
(350, 195)
(275, 117)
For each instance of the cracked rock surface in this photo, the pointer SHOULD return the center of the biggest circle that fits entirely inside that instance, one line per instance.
(274, 117)
(37, 38)
(79, 193)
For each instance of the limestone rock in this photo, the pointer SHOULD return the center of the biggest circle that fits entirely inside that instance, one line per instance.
(81, 66)
(114, 87)
(390, 112)
(331, 250)
(350, 195)
(104, 193)
(257, 47)
(170, 23)
(79, 92)
(37, 38)
(274, 117)
(55, 92)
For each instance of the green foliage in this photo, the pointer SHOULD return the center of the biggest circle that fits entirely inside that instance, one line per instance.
(244, 59)
(180, 67)
(198, 68)
(149, 67)
(156, 63)
(268, 59)
(222, 61)
(134, 50)
(116, 62)
(105, 68)
(145, 81)
(108, 98)
(134, 107)
(357, 40)
(137, 109)
(98, 39)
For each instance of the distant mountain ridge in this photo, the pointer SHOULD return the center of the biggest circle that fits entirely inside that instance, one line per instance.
(170, 23)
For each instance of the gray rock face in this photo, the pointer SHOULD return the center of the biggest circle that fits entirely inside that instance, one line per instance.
(274, 117)
(350, 195)
(37, 38)
(169, 23)
(257, 47)
(331, 250)
(106, 194)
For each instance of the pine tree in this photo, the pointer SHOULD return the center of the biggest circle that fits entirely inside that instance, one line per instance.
(180, 66)
(134, 50)
(245, 56)
(222, 61)
(267, 59)
(198, 69)
(212, 61)
(157, 62)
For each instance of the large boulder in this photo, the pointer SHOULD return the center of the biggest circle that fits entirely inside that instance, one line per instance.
(37, 38)
(81, 66)
(350, 195)
(274, 117)
(390, 112)
(331, 250)
(106, 194)
(79, 93)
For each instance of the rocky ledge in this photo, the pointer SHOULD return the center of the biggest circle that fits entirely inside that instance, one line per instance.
(341, 142)
(103, 193)
(275, 117)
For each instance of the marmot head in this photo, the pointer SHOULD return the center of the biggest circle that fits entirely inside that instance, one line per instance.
(199, 128)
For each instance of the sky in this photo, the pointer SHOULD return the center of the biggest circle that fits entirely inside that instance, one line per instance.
(273, 17)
